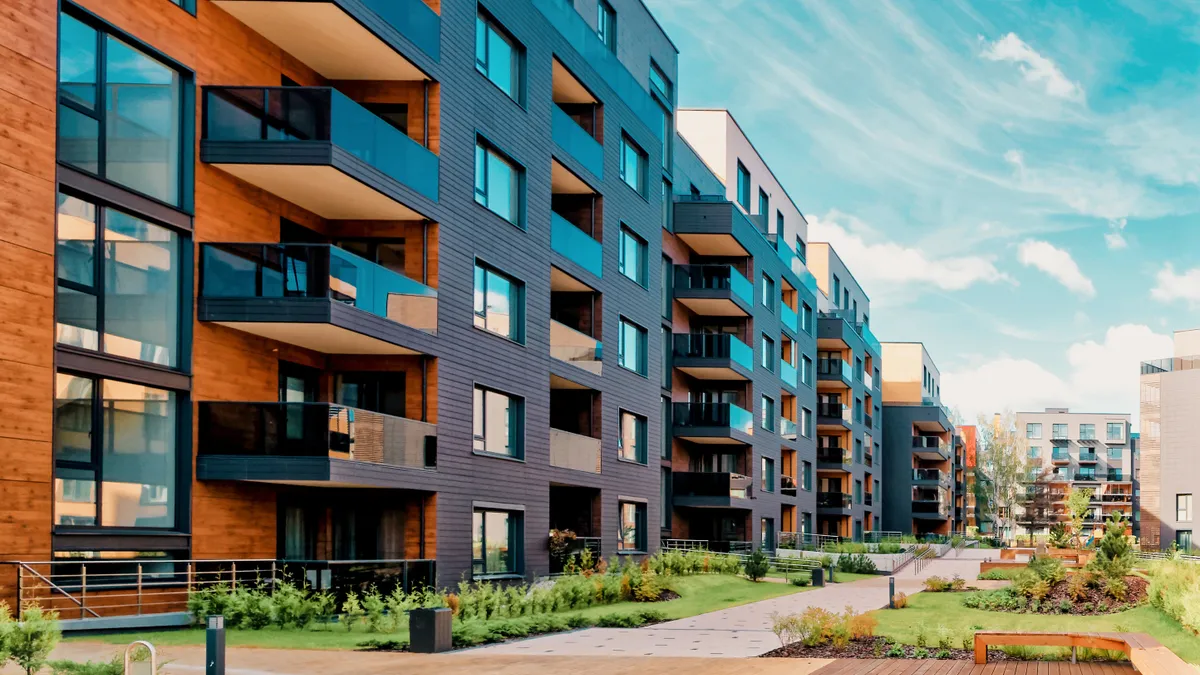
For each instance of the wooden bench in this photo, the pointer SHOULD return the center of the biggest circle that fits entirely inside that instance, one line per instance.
(1144, 652)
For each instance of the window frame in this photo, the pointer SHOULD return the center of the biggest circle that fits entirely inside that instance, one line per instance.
(768, 293)
(766, 479)
(767, 345)
(642, 247)
(806, 422)
(806, 318)
(517, 300)
(767, 421)
(516, 537)
(641, 437)
(806, 371)
(1033, 431)
(1183, 507)
(643, 165)
(606, 25)
(517, 435)
(518, 190)
(643, 358)
(492, 26)
(764, 206)
(1109, 431)
(641, 542)
(743, 186)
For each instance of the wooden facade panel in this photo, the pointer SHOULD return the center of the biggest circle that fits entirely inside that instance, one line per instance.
(25, 518)
(30, 28)
(26, 136)
(28, 322)
(233, 520)
(35, 271)
(26, 399)
(27, 79)
(27, 207)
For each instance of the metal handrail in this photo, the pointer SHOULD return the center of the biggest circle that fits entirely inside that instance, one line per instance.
(921, 559)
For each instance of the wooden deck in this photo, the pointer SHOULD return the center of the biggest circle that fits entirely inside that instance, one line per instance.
(927, 667)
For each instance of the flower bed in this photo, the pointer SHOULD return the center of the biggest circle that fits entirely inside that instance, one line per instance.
(878, 648)
(1062, 597)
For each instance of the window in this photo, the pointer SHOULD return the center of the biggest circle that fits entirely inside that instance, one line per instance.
(1183, 539)
(768, 413)
(779, 222)
(806, 370)
(665, 346)
(1033, 431)
(1087, 432)
(115, 454)
(118, 283)
(858, 492)
(498, 56)
(631, 347)
(1183, 508)
(1034, 452)
(764, 205)
(1116, 431)
(767, 535)
(498, 183)
(858, 369)
(806, 318)
(120, 112)
(665, 415)
(668, 134)
(743, 187)
(668, 206)
(496, 538)
(806, 476)
(801, 249)
(606, 25)
(660, 84)
(633, 527)
(845, 298)
(837, 288)
(664, 499)
(633, 165)
(767, 475)
(806, 423)
(768, 293)
(499, 423)
(632, 256)
(1058, 431)
(768, 353)
(664, 286)
(631, 441)
(1114, 453)
(499, 302)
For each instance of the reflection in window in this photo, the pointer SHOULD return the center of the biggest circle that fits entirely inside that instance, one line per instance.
(495, 542)
(631, 442)
(498, 423)
(631, 347)
(498, 303)
(498, 56)
(633, 165)
(633, 527)
(497, 183)
(631, 260)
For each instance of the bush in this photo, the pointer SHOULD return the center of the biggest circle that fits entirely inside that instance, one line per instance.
(114, 666)
(1114, 554)
(856, 563)
(936, 584)
(896, 652)
(1047, 568)
(900, 600)
(942, 654)
(630, 620)
(1116, 588)
(1077, 585)
(756, 565)
(922, 635)
(945, 638)
(30, 640)
(920, 653)
(786, 627)
(958, 583)
(862, 626)
(996, 575)
(801, 581)
(1175, 589)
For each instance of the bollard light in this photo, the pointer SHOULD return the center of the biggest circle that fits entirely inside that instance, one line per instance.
(214, 646)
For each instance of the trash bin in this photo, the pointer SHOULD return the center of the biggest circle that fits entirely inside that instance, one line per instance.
(429, 630)
(818, 576)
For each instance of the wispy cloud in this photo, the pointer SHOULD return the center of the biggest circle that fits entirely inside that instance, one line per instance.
(1057, 263)
(1114, 239)
(1036, 68)
(1171, 286)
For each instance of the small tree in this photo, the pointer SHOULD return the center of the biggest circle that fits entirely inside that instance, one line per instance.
(1078, 504)
(1114, 554)
(1002, 453)
(756, 565)
(31, 640)
(6, 628)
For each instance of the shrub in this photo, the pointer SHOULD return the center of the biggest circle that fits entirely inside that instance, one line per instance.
(1077, 585)
(968, 640)
(374, 607)
(942, 654)
(945, 638)
(922, 635)
(756, 565)
(900, 601)
(650, 588)
(30, 640)
(1047, 568)
(1102, 606)
(958, 583)
(1175, 589)
(352, 610)
(856, 563)
(1064, 606)
(936, 584)
(920, 653)
(995, 575)
(1116, 588)
(1039, 590)
(896, 652)
(878, 647)
(786, 627)
(862, 626)
(1114, 554)
(801, 581)
(293, 608)
(816, 626)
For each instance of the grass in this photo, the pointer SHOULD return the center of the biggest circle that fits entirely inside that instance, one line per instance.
(698, 595)
(934, 609)
(847, 577)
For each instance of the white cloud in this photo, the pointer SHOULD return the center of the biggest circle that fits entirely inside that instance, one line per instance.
(1102, 377)
(1172, 286)
(1057, 263)
(1037, 68)
(874, 259)
(1114, 238)
(1161, 144)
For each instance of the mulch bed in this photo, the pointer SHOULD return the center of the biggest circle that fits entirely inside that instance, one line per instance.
(1052, 603)
(865, 649)
(666, 594)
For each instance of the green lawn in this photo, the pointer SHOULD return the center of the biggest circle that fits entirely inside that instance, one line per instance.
(698, 594)
(946, 609)
(847, 577)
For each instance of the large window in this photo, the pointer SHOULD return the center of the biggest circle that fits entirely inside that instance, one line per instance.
(806, 318)
(768, 293)
(495, 542)
(768, 353)
(806, 476)
(633, 165)
(499, 302)
(631, 260)
(665, 346)
(767, 475)
(806, 423)
(498, 423)
(498, 56)
(115, 461)
(1116, 431)
(631, 347)
(668, 133)
(120, 112)
(665, 416)
(743, 186)
(606, 25)
(1058, 432)
(659, 83)
(806, 370)
(767, 535)
(118, 283)
(668, 206)
(768, 413)
(633, 528)
(664, 287)
(631, 441)
(1183, 508)
(498, 183)
(1087, 432)
(1034, 452)
(1033, 430)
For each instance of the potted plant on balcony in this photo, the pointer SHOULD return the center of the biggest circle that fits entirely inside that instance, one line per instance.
(560, 544)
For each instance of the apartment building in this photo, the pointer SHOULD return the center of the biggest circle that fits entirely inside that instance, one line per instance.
(849, 458)
(976, 499)
(335, 281)
(1082, 451)
(739, 339)
(1167, 474)
(924, 482)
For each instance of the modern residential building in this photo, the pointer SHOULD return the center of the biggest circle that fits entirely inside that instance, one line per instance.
(921, 491)
(1167, 474)
(739, 342)
(849, 458)
(332, 280)
(977, 511)
(1082, 451)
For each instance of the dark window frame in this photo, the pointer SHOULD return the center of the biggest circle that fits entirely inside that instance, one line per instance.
(643, 166)
(488, 147)
(641, 437)
(641, 536)
(517, 300)
(492, 25)
(643, 358)
(517, 410)
(643, 248)
(516, 538)
(743, 186)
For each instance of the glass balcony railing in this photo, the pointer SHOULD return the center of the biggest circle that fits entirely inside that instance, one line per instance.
(574, 451)
(702, 484)
(868, 381)
(715, 278)
(835, 369)
(576, 245)
(787, 373)
(1117, 476)
(576, 348)
(713, 346)
(1085, 475)
(787, 429)
(315, 271)
(703, 415)
(315, 430)
(834, 455)
(319, 114)
(833, 500)
(931, 475)
(787, 317)
(931, 508)
(576, 141)
(1060, 456)
(1088, 457)
(834, 410)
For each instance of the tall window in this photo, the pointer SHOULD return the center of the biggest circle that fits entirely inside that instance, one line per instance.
(631, 347)
(779, 222)
(498, 56)
(665, 346)
(660, 84)
(118, 283)
(668, 205)
(767, 475)
(496, 538)
(1087, 432)
(767, 535)
(1034, 452)
(606, 25)
(837, 289)
(743, 186)
(498, 183)
(764, 205)
(499, 301)
(768, 353)
(664, 287)
(806, 318)
(806, 482)
(664, 501)
(664, 410)
(806, 370)
(632, 259)
(1116, 431)
(115, 453)
(499, 423)
(631, 441)
(1033, 430)
(801, 249)
(1183, 508)
(806, 423)
(768, 293)
(768, 413)
(858, 492)
(632, 520)
(668, 133)
(120, 112)
(633, 165)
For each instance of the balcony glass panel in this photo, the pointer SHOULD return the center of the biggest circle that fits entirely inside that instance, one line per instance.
(576, 244)
(714, 346)
(787, 317)
(714, 277)
(576, 348)
(787, 373)
(713, 415)
(576, 141)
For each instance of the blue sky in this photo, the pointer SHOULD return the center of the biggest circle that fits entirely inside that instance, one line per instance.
(1015, 184)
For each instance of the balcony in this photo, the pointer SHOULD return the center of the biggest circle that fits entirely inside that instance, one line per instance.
(1060, 440)
(787, 486)
(868, 499)
(1088, 457)
(793, 262)
(869, 381)
(931, 477)
(788, 318)
(576, 348)
(834, 370)
(576, 142)
(788, 429)
(574, 451)
(868, 421)
(576, 245)
(316, 148)
(713, 290)
(931, 510)
(1086, 476)
(932, 448)
(347, 39)
(1118, 477)
(712, 356)
(834, 503)
(711, 490)
(834, 458)
(787, 373)
(312, 443)
(712, 423)
(841, 329)
(833, 415)
(315, 296)
(1060, 457)
(868, 458)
